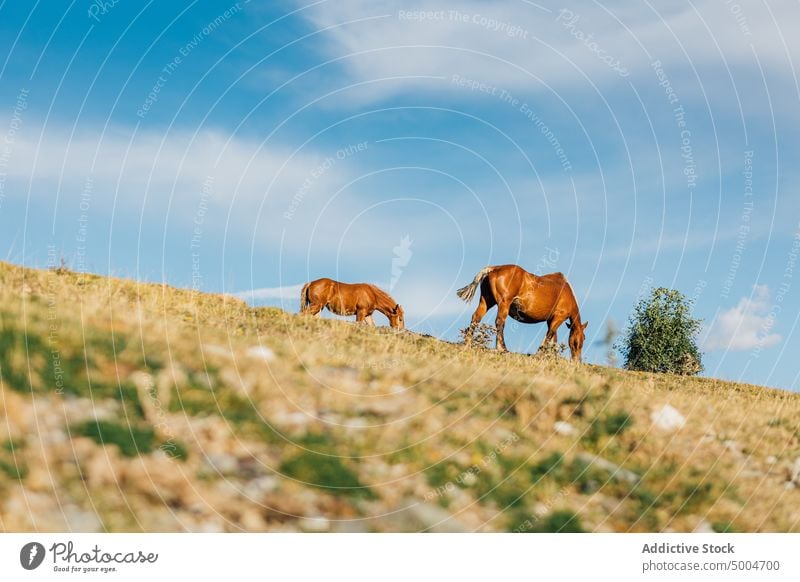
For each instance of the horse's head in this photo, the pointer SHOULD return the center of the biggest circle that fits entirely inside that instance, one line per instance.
(576, 339)
(397, 317)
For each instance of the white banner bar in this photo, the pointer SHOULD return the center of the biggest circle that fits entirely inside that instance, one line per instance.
(401, 557)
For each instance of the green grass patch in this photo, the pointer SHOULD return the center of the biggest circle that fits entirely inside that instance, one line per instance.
(325, 472)
(175, 449)
(611, 425)
(13, 471)
(555, 522)
(131, 440)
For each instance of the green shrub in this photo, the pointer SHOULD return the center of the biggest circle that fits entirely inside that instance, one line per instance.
(478, 336)
(660, 336)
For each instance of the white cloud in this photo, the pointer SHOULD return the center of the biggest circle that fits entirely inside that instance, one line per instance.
(746, 326)
(165, 177)
(133, 165)
(517, 45)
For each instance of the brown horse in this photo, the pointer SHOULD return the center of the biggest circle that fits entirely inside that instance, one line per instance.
(528, 298)
(359, 299)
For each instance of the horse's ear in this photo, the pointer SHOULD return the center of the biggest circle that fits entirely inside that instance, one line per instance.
(396, 308)
(569, 325)
(585, 324)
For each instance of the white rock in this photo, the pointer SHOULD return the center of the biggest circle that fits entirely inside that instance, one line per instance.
(293, 418)
(315, 524)
(564, 428)
(667, 418)
(383, 406)
(261, 353)
(222, 463)
(733, 447)
(704, 527)
(257, 487)
(79, 520)
(470, 479)
(216, 350)
(607, 465)
(432, 518)
(795, 472)
(772, 459)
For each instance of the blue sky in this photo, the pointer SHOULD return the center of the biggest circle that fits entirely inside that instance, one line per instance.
(249, 147)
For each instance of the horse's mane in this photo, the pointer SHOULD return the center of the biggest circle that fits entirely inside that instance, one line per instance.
(383, 296)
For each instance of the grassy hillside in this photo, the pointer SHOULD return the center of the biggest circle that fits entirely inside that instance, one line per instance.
(129, 407)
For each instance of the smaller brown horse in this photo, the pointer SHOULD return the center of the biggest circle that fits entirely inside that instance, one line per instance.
(359, 299)
(528, 298)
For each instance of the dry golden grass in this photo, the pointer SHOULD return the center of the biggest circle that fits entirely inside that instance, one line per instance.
(133, 407)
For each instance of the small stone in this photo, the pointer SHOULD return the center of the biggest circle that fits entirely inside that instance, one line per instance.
(222, 463)
(216, 350)
(733, 447)
(292, 420)
(794, 474)
(431, 518)
(704, 527)
(564, 428)
(607, 465)
(772, 459)
(261, 353)
(469, 479)
(315, 524)
(256, 488)
(384, 406)
(667, 418)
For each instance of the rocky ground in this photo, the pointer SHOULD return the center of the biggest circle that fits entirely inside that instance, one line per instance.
(131, 407)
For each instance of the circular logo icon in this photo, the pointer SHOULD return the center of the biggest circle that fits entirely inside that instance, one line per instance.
(31, 555)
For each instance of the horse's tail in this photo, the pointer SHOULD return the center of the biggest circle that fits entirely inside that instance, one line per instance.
(304, 301)
(468, 292)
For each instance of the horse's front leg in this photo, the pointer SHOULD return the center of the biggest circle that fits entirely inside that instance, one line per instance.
(500, 324)
(552, 330)
(551, 336)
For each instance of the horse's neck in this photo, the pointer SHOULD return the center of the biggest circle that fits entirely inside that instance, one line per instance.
(384, 303)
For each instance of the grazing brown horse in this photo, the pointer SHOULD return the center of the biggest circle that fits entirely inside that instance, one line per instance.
(359, 299)
(528, 298)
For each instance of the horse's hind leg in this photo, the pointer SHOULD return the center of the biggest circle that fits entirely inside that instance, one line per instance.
(314, 309)
(500, 324)
(476, 319)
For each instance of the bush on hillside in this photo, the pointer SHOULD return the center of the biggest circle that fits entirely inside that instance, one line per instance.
(661, 335)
